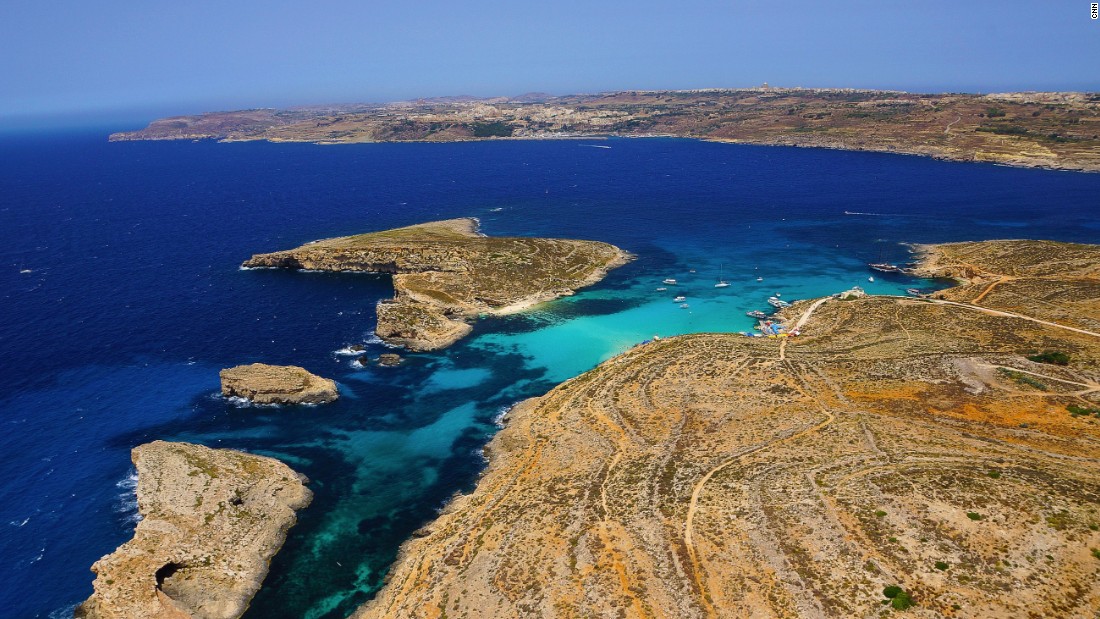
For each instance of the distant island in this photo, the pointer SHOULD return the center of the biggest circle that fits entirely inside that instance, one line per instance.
(933, 454)
(1059, 130)
(445, 273)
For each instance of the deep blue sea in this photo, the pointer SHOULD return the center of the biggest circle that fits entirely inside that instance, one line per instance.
(122, 299)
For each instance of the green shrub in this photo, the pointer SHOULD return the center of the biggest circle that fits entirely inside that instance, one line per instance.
(879, 514)
(994, 112)
(1076, 409)
(941, 566)
(897, 597)
(492, 130)
(1053, 357)
(973, 515)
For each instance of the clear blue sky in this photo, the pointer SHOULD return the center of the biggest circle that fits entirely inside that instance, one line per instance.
(144, 58)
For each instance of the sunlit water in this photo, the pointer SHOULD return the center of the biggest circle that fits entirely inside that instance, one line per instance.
(133, 302)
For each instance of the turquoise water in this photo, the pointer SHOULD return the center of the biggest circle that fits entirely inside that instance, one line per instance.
(133, 302)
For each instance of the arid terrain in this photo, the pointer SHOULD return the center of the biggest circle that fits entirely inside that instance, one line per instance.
(446, 273)
(1053, 129)
(932, 457)
(211, 521)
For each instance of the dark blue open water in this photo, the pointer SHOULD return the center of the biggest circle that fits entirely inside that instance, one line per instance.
(133, 302)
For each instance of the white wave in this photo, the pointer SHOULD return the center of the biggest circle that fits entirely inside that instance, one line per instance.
(65, 612)
(126, 503)
(20, 524)
(372, 338)
(347, 351)
(501, 418)
(244, 268)
(240, 402)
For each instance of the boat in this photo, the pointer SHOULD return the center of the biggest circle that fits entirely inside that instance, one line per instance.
(722, 283)
(777, 295)
(871, 279)
(914, 292)
(680, 298)
(777, 302)
(759, 279)
(661, 289)
(684, 306)
(668, 280)
(756, 314)
(885, 267)
(691, 270)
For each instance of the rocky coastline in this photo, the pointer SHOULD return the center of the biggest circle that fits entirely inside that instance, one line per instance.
(211, 521)
(446, 273)
(901, 453)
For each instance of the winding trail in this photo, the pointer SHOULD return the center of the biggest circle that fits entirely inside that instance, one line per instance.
(697, 491)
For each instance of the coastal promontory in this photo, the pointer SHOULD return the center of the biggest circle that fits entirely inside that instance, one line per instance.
(446, 273)
(260, 383)
(211, 521)
(931, 455)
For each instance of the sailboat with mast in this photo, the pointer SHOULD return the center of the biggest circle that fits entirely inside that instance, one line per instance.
(722, 283)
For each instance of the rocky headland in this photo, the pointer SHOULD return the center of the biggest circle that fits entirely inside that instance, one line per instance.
(446, 273)
(1030, 129)
(938, 455)
(211, 521)
(260, 383)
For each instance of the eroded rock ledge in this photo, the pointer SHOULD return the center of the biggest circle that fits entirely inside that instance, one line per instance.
(445, 273)
(211, 521)
(260, 383)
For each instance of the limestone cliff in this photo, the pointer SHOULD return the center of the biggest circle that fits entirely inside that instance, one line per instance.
(901, 453)
(445, 273)
(277, 384)
(211, 521)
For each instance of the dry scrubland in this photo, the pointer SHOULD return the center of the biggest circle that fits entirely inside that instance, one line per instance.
(445, 274)
(899, 443)
(1054, 130)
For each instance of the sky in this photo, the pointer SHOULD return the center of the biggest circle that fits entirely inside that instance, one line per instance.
(140, 59)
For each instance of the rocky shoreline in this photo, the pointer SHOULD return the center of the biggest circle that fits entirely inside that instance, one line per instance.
(445, 274)
(262, 384)
(212, 519)
(915, 450)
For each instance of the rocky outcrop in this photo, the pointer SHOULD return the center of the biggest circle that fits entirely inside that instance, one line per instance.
(446, 273)
(389, 359)
(211, 521)
(260, 383)
(897, 446)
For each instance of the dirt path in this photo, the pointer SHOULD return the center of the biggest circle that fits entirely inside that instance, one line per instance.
(697, 491)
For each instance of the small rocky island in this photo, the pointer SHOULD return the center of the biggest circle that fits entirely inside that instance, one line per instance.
(445, 273)
(211, 521)
(260, 383)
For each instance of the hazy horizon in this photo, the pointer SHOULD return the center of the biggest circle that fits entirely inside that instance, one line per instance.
(113, 62)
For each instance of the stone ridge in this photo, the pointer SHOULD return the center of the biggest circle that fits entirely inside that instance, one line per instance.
(260, 383)
(899, 442)
(445, 273)
(211, 521)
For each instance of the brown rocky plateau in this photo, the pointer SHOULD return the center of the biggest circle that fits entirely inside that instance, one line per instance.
(260, 383)
(211, 521)
(1032, 129)
(936, 450)
(446, 273)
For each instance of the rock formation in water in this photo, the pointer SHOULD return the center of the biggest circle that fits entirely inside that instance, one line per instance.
(445, 273)
(211, 521)
(260, 383)
(939, 454)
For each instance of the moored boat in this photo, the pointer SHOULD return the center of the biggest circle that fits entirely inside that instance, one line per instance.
(668, 280)
(756, 314)
(885, 267)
